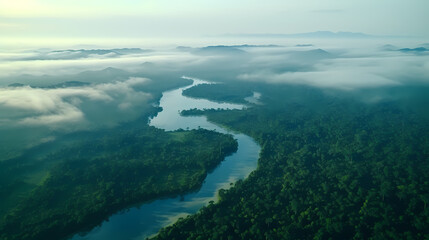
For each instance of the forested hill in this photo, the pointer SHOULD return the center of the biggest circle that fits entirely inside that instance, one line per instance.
(107, 171)
(330, 168)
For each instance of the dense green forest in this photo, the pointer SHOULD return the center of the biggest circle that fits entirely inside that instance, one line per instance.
(16, 140)
(109, 170)
(23, 149)
(332, 166)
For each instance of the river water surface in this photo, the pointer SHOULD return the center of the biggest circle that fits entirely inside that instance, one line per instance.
(147, 219)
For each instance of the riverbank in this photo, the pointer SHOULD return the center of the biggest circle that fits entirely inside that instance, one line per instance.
(146, 220)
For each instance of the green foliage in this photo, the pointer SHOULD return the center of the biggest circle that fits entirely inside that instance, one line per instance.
(193, 112)
(329, 168)
(112, 170)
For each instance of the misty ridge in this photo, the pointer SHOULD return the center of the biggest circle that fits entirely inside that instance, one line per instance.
(69, 90)
(347, 68)
(44, 75)
(81, 53)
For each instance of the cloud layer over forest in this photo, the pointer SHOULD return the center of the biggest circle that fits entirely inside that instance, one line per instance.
(44, 93)
(65, 107)
(342, 68)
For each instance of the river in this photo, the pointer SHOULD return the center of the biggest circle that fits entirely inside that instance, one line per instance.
(147, 219)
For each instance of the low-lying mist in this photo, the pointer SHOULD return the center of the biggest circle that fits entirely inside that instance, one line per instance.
(44, 92)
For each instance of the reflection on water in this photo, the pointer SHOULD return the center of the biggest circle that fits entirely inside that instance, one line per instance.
(172, 102)
(146, 220)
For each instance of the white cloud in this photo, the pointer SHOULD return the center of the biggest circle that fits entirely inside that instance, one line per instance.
(56, 108)
(66, 63)
(346, 80)
(66, 113)
(134, 81)
(350, 72)
(45, 100)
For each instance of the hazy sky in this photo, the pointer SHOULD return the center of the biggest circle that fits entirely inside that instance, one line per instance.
(165, 18)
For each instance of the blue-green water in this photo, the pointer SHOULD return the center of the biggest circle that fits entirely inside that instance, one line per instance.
(146, 220)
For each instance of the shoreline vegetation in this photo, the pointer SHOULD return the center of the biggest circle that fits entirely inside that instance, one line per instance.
(74, 183)
(331, 167)
(112, 171)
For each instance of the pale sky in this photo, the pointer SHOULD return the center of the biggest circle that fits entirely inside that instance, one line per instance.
(194, 18)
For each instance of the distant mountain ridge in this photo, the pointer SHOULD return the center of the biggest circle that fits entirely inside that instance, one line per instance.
(423, 49)
(317, 34)
(107, 75)
(119, 51)
(70, 54)
(231, 50)
(419, 49)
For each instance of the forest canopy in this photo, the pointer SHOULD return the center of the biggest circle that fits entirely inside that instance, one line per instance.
(332, 166)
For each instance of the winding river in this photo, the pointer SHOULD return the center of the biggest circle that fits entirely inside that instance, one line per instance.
(146, 220)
